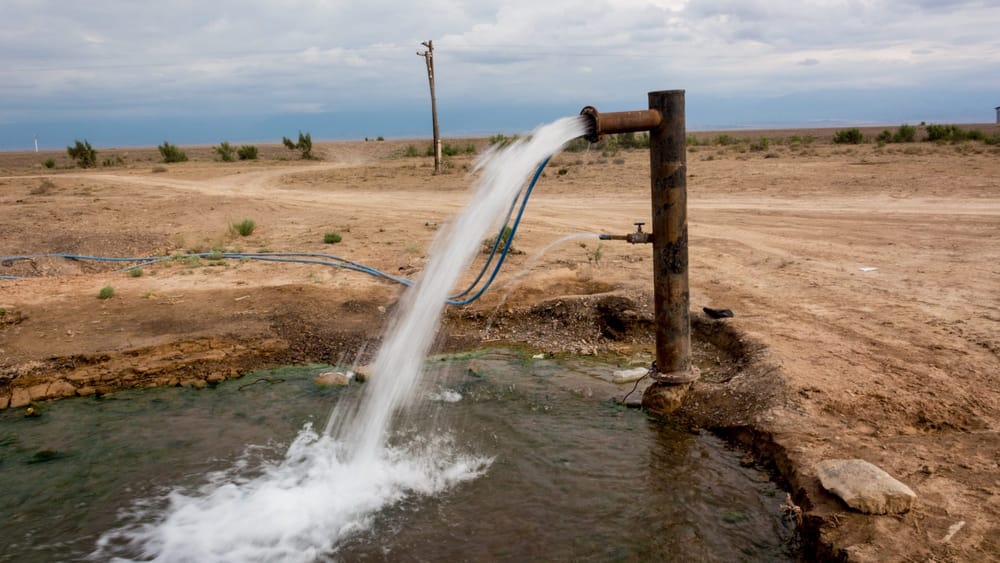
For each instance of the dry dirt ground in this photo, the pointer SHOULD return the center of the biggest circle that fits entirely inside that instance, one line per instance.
(865, 283)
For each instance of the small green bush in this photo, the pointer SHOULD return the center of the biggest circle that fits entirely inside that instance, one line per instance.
(225, 151)
(332, 237)
(884, 137)
(49, 163)
(724, 140)
(760, 145)
(84, 155)
(247, 152)
(905, 134)
(449, 150)
(304, 145)
(136, 273)
(106, 292)
(380, 138)
(487, 245)
(852, 136)
(244, 228)
(171, 153)
(502, 140)
(116, 160)
(411, 151)
(634, 140)
(950, 133)
(974, 135)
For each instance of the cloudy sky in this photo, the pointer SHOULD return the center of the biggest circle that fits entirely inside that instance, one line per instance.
(134, 72)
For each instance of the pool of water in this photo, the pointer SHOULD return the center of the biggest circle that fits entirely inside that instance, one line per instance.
(573, 474)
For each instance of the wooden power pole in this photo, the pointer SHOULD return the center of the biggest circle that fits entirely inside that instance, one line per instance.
(428, 56)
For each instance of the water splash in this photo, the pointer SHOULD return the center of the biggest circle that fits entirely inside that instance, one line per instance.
(330, 485)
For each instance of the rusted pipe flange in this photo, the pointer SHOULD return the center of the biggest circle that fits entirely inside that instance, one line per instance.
(676, 377)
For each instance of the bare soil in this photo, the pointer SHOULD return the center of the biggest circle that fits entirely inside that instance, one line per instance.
(864, 282)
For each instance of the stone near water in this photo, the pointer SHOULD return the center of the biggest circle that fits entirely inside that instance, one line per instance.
(20, 397)
(332, 378)
(864, 487)
(660, 399)
(629, 375)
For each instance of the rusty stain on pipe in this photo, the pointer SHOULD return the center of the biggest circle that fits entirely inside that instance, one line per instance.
(619, 122)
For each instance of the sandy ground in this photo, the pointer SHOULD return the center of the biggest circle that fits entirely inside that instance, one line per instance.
(867, 278)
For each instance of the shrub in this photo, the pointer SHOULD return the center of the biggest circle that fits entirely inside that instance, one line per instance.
(332, 237)
(304, 145)
(974, 135)
(171, 153)
(225, 151)
(505, 235)
(884, 137)
(244, 228)
(850, 136)
(470, 149)
(106, 292)
(430, 150)
(760, 145)
(502, 140)
(634, 141)
(945, 133)
(723, 139)
(136, 273)
(411, 151)
(49, 163)
(84, 155)
(448, 150)
(905, 134)
(380, 138)
(247, 152)
(116, 160)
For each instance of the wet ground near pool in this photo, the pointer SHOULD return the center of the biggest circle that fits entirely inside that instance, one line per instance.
(575, 475)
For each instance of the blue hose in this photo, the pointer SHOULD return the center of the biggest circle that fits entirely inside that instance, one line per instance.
(330, 259)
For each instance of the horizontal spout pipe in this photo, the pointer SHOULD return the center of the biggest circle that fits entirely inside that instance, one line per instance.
(619, 122)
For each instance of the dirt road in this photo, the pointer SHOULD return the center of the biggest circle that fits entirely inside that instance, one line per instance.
(871, 274)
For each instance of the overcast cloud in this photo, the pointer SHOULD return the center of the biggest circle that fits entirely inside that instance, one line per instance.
(105, 58)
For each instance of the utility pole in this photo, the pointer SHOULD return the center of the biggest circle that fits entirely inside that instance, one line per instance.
(428, 56)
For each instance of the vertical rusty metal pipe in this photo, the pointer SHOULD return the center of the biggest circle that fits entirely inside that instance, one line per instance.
(671, 296)
(668, 178)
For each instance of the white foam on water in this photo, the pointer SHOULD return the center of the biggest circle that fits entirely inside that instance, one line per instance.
(330, 485)
(445, 396)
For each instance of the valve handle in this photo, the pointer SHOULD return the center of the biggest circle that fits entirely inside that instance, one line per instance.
(638, 226)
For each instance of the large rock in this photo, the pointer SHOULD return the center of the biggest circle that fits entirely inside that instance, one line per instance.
(864, 487)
